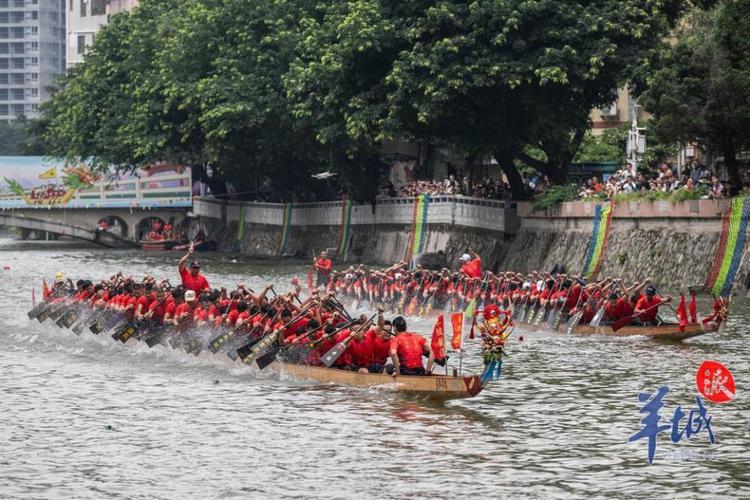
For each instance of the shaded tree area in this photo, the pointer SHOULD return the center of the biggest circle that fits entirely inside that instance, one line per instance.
(278, 90)
(21, 137)
(700, 92)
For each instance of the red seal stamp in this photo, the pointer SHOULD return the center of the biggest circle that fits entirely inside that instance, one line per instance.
(715, 382)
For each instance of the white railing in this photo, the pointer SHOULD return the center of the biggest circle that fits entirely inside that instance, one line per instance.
(450, 210)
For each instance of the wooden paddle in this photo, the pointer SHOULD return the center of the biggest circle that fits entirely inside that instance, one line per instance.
(268, 358)
(623, 322)
(336, 351)
(246, 350)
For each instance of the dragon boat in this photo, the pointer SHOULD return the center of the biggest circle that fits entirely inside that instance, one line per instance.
(430, 386)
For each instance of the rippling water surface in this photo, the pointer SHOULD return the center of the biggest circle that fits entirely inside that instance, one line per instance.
(86, 417)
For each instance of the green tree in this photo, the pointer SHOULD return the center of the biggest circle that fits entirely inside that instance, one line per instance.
(12, 138)
(484, 77)
(701, 93)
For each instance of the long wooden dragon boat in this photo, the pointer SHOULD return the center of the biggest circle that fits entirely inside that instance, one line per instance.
(432, 386)
(665, 331)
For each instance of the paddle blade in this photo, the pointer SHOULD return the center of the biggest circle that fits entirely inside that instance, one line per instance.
(266, 359)
(573, 323)
(245, 350)
(36, 311)
(620, 323)
(334, 353)
(597, 317)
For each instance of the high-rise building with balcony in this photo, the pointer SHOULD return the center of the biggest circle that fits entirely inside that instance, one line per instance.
(32, 54)
(85, 18)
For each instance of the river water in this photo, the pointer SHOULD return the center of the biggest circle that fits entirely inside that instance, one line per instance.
(85, 417)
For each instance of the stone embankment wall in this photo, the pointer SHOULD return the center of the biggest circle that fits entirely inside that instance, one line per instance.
(379, 234)
(672, 243)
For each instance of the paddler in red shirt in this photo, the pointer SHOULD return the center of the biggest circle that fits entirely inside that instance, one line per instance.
(407, 349)
(471, 265)
(647, 308)
(192, 279)
(323, 267)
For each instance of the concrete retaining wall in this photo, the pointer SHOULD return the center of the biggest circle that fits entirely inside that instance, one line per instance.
(672, 243)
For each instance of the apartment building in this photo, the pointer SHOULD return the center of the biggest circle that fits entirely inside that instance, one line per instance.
(84, 19)
(32, 54)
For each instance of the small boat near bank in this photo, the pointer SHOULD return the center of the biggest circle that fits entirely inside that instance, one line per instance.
(432, 386)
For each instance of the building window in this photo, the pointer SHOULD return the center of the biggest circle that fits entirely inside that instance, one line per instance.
(3, 109)
(4, 79)
(83, 8)
(98, 7)
(34, 30)
(71, 6)
(34, 77)
(34, 92)
(3, 94)
(81, 44)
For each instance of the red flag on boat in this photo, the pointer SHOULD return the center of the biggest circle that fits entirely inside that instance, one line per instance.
(457, 320)
(438, 338)
(693, 309)
(45, 290)
(682, 313)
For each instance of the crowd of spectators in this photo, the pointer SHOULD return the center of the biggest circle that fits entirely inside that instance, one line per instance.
(697, 179)
(483, 188)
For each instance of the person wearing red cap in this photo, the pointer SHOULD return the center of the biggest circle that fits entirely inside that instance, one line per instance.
(192, 279)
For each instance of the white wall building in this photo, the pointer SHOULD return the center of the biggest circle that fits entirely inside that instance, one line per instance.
(32, 54)
(85, 18)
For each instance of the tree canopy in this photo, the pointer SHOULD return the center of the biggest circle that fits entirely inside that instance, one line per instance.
(701, 91)
(283, 88)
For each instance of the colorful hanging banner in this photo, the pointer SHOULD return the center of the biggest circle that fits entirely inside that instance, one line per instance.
(731, 247)
(599, 239)
(286, 228)
(237, 245)
(457, 321)
(346, 224)
(417, 238)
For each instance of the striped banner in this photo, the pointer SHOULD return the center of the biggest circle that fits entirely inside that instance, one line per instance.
(599, 238)
(286, 228)
(346, 225)
(731, 247)
(237, 244)
(417, 238)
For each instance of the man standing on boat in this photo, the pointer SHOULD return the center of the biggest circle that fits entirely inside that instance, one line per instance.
(471, 265)
(323, 267)
(192, 279)
(407, 349)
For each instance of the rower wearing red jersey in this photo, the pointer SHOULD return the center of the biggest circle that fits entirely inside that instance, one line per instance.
(323, 267)
(407, 349)
(471, 265)
(647, 308)
(192, 279)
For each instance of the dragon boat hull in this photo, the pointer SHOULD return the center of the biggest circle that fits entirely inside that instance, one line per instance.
(432, 386)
